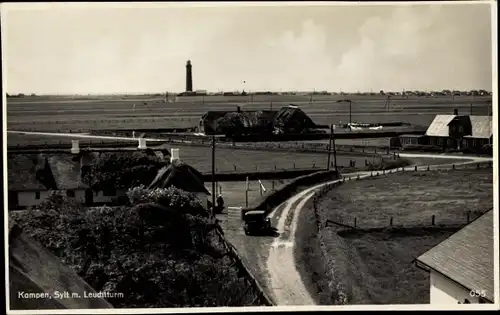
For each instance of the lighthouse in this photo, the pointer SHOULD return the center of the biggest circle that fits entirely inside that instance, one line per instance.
(189, 77)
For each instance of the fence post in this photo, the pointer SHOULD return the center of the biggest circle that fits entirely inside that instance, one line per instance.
(453, 166)
(391, 222)
(477, 166)
(428, 168)
(416, 168)
(355, 219)
(234, 167)
(274, 166)
(358, 176)
(371, 174)
(433, 219)
(294, 165)
(383, 172)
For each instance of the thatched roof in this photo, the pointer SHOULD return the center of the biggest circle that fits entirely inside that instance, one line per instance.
(181, 176)
(293, 116)
(33, 269)
(43, 172)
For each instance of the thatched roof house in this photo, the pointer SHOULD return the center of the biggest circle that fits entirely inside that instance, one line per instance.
(286, 119)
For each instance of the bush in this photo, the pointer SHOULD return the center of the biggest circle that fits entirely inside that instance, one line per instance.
(157, 255)
(168, 197)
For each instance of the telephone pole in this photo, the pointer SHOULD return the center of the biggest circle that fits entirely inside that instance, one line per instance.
(213, 175)
(332, 129)
(329, 148)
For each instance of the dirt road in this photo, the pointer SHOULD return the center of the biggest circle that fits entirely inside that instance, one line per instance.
(283, 278)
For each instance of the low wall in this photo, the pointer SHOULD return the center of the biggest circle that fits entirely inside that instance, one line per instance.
(242, 176)
(272, 200)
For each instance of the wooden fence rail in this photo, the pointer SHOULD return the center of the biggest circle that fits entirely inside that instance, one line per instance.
(391, 222)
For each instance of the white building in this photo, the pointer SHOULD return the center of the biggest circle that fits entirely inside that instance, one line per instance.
(31, 178)
(461, 267)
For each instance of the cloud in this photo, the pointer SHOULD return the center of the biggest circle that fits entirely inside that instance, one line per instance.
(294, 48)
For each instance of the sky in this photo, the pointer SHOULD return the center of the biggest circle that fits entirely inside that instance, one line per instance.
(77, 49)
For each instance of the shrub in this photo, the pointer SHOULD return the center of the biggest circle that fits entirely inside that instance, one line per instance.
(157, 254)
(168, 197)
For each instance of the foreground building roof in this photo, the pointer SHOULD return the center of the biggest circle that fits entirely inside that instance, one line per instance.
(466, 257)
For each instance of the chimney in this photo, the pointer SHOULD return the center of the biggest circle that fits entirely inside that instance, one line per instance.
(86, 167)
(174, 156)
(142, 144)
(455, 112)
(75, 148)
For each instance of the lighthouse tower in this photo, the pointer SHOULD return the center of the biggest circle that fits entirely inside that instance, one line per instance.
(189, 77)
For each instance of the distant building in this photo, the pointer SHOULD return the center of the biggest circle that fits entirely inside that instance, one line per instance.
(456, 132)
(461, 267)
(288, 119)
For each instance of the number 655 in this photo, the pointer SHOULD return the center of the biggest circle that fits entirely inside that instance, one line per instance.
(477, 293)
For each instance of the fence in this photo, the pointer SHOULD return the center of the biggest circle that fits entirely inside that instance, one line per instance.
(261, 297)
(392, 222)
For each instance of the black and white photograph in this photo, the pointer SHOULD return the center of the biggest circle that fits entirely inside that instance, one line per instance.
(216, 156)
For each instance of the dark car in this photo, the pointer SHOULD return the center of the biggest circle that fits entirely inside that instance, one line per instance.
(256, 221)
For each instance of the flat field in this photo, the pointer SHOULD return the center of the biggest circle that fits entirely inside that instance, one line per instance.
(228, 160)
(79, 113)
(374, 265)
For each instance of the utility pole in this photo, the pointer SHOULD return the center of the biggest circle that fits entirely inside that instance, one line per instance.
(213, 175)
(350, 108)
(350, 112)
(334, 149)
(329, 148)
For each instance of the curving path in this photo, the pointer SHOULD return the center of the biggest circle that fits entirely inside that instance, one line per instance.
(284, 279)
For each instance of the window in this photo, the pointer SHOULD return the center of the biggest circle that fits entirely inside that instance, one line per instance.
(109, 192)
(37, 195)
(70, 194)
